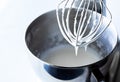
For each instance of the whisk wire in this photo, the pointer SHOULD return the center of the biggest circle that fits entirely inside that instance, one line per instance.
(95, 27)
(83, 22)
(76, 16)
(60, 22)
(88, 21)
(67, 20)
(80, 22)
(105, 27)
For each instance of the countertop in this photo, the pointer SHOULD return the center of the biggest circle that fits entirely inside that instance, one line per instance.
(15, 17)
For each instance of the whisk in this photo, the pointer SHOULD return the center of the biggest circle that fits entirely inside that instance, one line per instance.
(82, 24)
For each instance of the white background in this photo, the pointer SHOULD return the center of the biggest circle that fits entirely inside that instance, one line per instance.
(15, 17)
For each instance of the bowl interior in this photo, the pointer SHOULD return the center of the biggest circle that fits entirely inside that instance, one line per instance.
(43, 34)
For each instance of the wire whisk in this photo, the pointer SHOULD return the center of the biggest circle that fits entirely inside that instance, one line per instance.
(82, 24)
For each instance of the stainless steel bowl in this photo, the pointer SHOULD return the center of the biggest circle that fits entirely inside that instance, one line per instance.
(43, 34)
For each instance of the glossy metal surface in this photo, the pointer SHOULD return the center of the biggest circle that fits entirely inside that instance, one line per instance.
(43, 33)
(100, 9)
